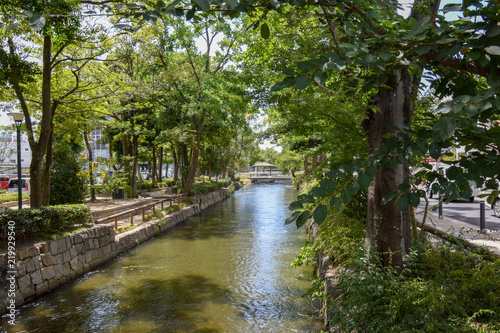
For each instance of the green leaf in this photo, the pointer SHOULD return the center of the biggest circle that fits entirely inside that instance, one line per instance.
(302, 82)
(289, 71)
(454, 172)
(364, 180)
(444, 128)
(12, 27)
(493, 31)
(385, 56)
(335, 174)
(305, 66)
(172, 5)
(37, 22)
(302, 219)
(320, 214)
(328, 185)
(435, 150)
(292, 218)
(404, 187)
(232, 3)
(305, 198)
(371, 59)
(295, 205)
(345, 196)
(335, 203)
(473, 55)
(203, 4)
(404, 202)
(190, 14)
(414, 199)
(423, 49)
(320, 77)
(371, 171)
(283, 84)
(264, 31)
(495, 50)
(318, 192)
(351, 54)
(418, 27)
(388, 197)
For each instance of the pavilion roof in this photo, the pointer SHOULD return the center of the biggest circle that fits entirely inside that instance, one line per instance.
(263, 164)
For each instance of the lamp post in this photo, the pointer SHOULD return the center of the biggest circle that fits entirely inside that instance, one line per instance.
(18, 119)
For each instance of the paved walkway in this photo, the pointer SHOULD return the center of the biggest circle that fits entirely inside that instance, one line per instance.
(104, 204)
(462, 230)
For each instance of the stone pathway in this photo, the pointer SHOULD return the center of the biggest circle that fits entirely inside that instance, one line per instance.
(106, 206)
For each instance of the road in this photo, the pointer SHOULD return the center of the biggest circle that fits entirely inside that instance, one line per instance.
(466, 211)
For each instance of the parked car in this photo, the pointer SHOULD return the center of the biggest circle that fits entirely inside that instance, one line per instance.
(4, 182)
(14, 182)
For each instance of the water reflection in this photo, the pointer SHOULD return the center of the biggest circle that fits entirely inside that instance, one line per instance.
(226, 270)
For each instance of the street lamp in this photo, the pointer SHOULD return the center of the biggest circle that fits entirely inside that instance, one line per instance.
(18, 119)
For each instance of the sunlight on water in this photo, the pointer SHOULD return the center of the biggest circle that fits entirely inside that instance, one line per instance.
(226, 270)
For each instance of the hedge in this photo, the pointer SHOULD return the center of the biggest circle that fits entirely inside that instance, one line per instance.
(202, 188)
(8, 197)
(36, 222)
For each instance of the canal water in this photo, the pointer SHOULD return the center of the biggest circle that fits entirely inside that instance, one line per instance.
(226, 270)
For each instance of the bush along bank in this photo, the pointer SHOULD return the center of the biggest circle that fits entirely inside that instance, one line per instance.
(43, 221)
(44, 266)
(442, 287)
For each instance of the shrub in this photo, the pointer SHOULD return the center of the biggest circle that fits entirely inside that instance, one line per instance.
(11, 197)
(38, 222)
(144, 185)
(67, 186)
(442, 289)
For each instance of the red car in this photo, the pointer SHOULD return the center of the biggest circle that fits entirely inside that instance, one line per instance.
(4, 182)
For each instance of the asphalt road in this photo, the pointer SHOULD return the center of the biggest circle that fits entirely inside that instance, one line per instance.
(466, 211)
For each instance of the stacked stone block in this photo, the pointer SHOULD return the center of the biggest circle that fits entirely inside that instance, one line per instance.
(44, 266)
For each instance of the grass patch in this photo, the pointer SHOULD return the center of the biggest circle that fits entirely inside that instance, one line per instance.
(8, 197)
(124, 229)
(159, 214)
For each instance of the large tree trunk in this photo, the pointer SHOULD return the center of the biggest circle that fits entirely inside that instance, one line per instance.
(47, 170)
(306, 167)
(39, 148)
(153, 171)
(160, 163)
(135, 166)
(195, 154)
(388, 229)
(90, 165)
(176, 165)
(314, 162)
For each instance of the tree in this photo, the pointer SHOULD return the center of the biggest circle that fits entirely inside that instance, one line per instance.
(55, 31)
(68, 185)
(388, 53)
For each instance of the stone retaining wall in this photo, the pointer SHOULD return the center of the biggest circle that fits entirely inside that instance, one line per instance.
(44, 266)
